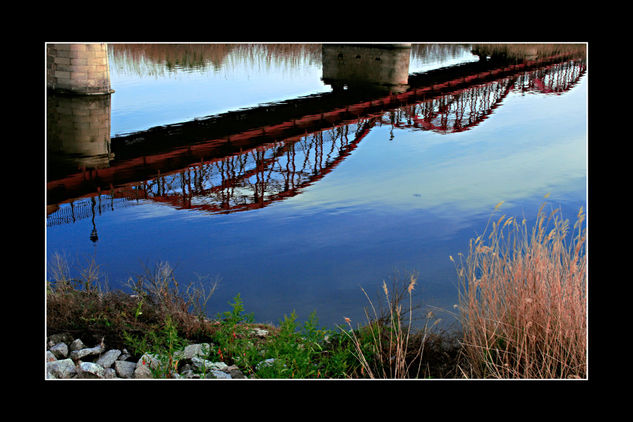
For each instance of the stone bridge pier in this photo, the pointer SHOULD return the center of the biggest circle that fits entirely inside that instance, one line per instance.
(78, 130)
(81, 69)
(78, 107)
(377, 66)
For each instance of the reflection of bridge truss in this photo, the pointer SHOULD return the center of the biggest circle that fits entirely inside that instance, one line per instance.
(88, 208)
(452, 112)
(463, 109)
(555, 79)
(277, 170)
(258, 177)
(238, 182)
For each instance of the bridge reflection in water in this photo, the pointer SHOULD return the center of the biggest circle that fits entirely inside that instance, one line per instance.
(248, 159)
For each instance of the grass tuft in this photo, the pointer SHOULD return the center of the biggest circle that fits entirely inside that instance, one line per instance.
(86, 308)
(389, 346)
(523, 295)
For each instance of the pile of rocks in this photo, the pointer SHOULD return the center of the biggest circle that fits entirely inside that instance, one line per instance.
(71, 358)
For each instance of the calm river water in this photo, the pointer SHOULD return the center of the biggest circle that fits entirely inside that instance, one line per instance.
(304, 222)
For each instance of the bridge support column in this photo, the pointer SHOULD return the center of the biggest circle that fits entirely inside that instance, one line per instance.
(78, 132)
(383, 66)
(78, 68)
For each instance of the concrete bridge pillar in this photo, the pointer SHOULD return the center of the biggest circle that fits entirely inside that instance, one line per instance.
(384, 66)
(78, 68)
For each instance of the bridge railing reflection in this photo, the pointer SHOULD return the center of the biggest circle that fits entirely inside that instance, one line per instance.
(258, 177)
(464, 109)
(555, 79)
(452, 112)
(238, 182)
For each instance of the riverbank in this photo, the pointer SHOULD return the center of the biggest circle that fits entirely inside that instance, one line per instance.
(522, 309)
(158, 333)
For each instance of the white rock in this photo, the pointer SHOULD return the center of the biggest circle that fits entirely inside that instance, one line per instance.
(77, 344)
(193, 350)
(108, 358)
(124, 355)
(124, 369)
(64, 368)
(53, 339)
(143, 372)
(203, 364)
(60, 350)
(109, 373)
(82, 353)
(260, 332)
(90, 370)
(144, 366)
(148, 359)
(50, 357)
(218, 375)
(234, 372)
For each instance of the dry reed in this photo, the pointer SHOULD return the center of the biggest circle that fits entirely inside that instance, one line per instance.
(85, 307)
(387, 347)
(523, 297)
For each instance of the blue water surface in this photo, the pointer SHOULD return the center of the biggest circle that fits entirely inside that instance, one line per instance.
(401, 203)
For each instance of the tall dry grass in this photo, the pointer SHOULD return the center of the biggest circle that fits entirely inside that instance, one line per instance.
(390, 347)
(85, 307)
(523, 299)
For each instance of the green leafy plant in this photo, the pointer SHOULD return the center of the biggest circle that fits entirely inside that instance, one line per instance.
(162, 344)
(303, 351)
(232, 336)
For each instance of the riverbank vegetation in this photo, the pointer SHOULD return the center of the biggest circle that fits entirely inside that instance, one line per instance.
(522, 310)
(523, 299)
(524, 51)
